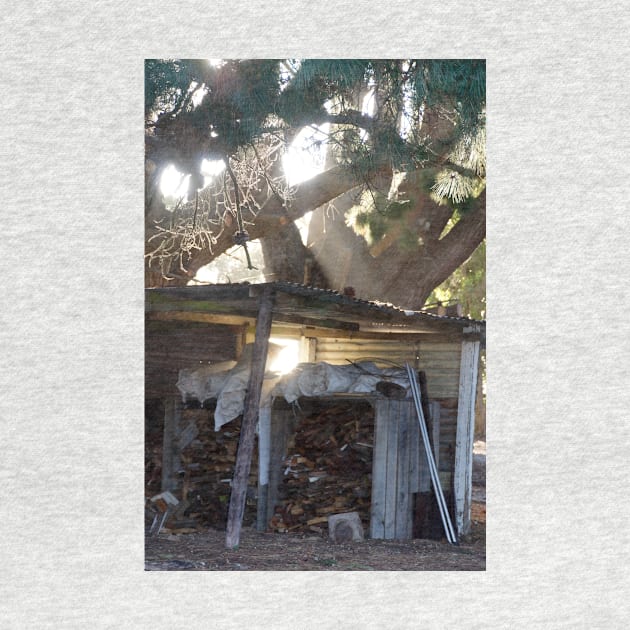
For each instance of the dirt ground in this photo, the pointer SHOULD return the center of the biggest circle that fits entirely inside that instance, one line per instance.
(260, 551)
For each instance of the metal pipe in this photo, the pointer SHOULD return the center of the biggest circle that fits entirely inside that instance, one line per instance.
(432, 466)
(425, 441)
(431, 462)
(435, 479)
(434, 476)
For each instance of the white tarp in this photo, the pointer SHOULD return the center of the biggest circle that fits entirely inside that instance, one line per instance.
(321, 379)
(307, 379)
(205, 382)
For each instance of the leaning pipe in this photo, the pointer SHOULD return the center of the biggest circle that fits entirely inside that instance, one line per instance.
(435, 479)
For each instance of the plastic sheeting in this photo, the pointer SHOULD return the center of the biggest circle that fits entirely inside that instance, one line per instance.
(307, 379)
(322, 379)
(205, 382)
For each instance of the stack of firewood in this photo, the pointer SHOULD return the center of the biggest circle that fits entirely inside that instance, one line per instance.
(208, 465)
(328, 469)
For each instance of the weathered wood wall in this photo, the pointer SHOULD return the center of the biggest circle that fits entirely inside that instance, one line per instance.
(171, 346)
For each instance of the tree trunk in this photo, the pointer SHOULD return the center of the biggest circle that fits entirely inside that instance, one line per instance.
(284, 254)
(402, 276)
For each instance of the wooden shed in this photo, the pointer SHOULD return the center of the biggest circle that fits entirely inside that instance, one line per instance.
(194, 326)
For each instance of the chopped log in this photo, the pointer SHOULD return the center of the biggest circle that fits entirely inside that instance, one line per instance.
(343, 528)
(250, 416)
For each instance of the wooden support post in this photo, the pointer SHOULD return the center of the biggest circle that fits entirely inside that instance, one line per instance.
(170, 443)
(283, 425)
(250, 416)
(394, 469)
(307, 351)
(462, 482)
(402, 527)
(264, 454)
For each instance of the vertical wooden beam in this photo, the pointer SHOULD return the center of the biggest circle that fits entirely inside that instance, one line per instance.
(402, 528)
(416, 457)
(307, 351)
(379, 465)
(264, 451)
(391, 476)
(250, 416)
(283, 424)
(170, 443)
(462, 482)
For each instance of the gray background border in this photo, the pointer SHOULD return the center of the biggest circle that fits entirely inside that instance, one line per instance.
(71, 333)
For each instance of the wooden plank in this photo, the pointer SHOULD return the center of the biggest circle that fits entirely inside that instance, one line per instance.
(234, 321)
(402, 528)
(416, 455)
(360, 344)
(250, 416)
(282, 426)
(451, 340)
(462, 482)
(170, 444)
(264, 457)
(391, 477)
(379, 464)
(235, 314)
(308, 349)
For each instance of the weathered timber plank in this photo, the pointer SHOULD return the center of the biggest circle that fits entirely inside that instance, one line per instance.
(379, 464)
(415, 463)
(250, 416)
(282, 425)
(462, 482)
(232, 321)
(391, 476)
(402, 527)
(264, 457)
(170, 446)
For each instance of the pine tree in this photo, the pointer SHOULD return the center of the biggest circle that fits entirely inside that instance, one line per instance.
(411, 168)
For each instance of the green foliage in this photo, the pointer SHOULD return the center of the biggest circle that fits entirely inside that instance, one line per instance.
(467, 286)
(245, 99)
(238, 99)
(165, 81)
(470, 151)
(453, 186)
(375, 214)
(460, 81)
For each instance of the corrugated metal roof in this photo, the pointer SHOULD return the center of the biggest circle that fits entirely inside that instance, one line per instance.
(243, 296)
(335, 296)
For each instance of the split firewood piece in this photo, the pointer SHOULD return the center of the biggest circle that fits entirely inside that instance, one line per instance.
(344, 528)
